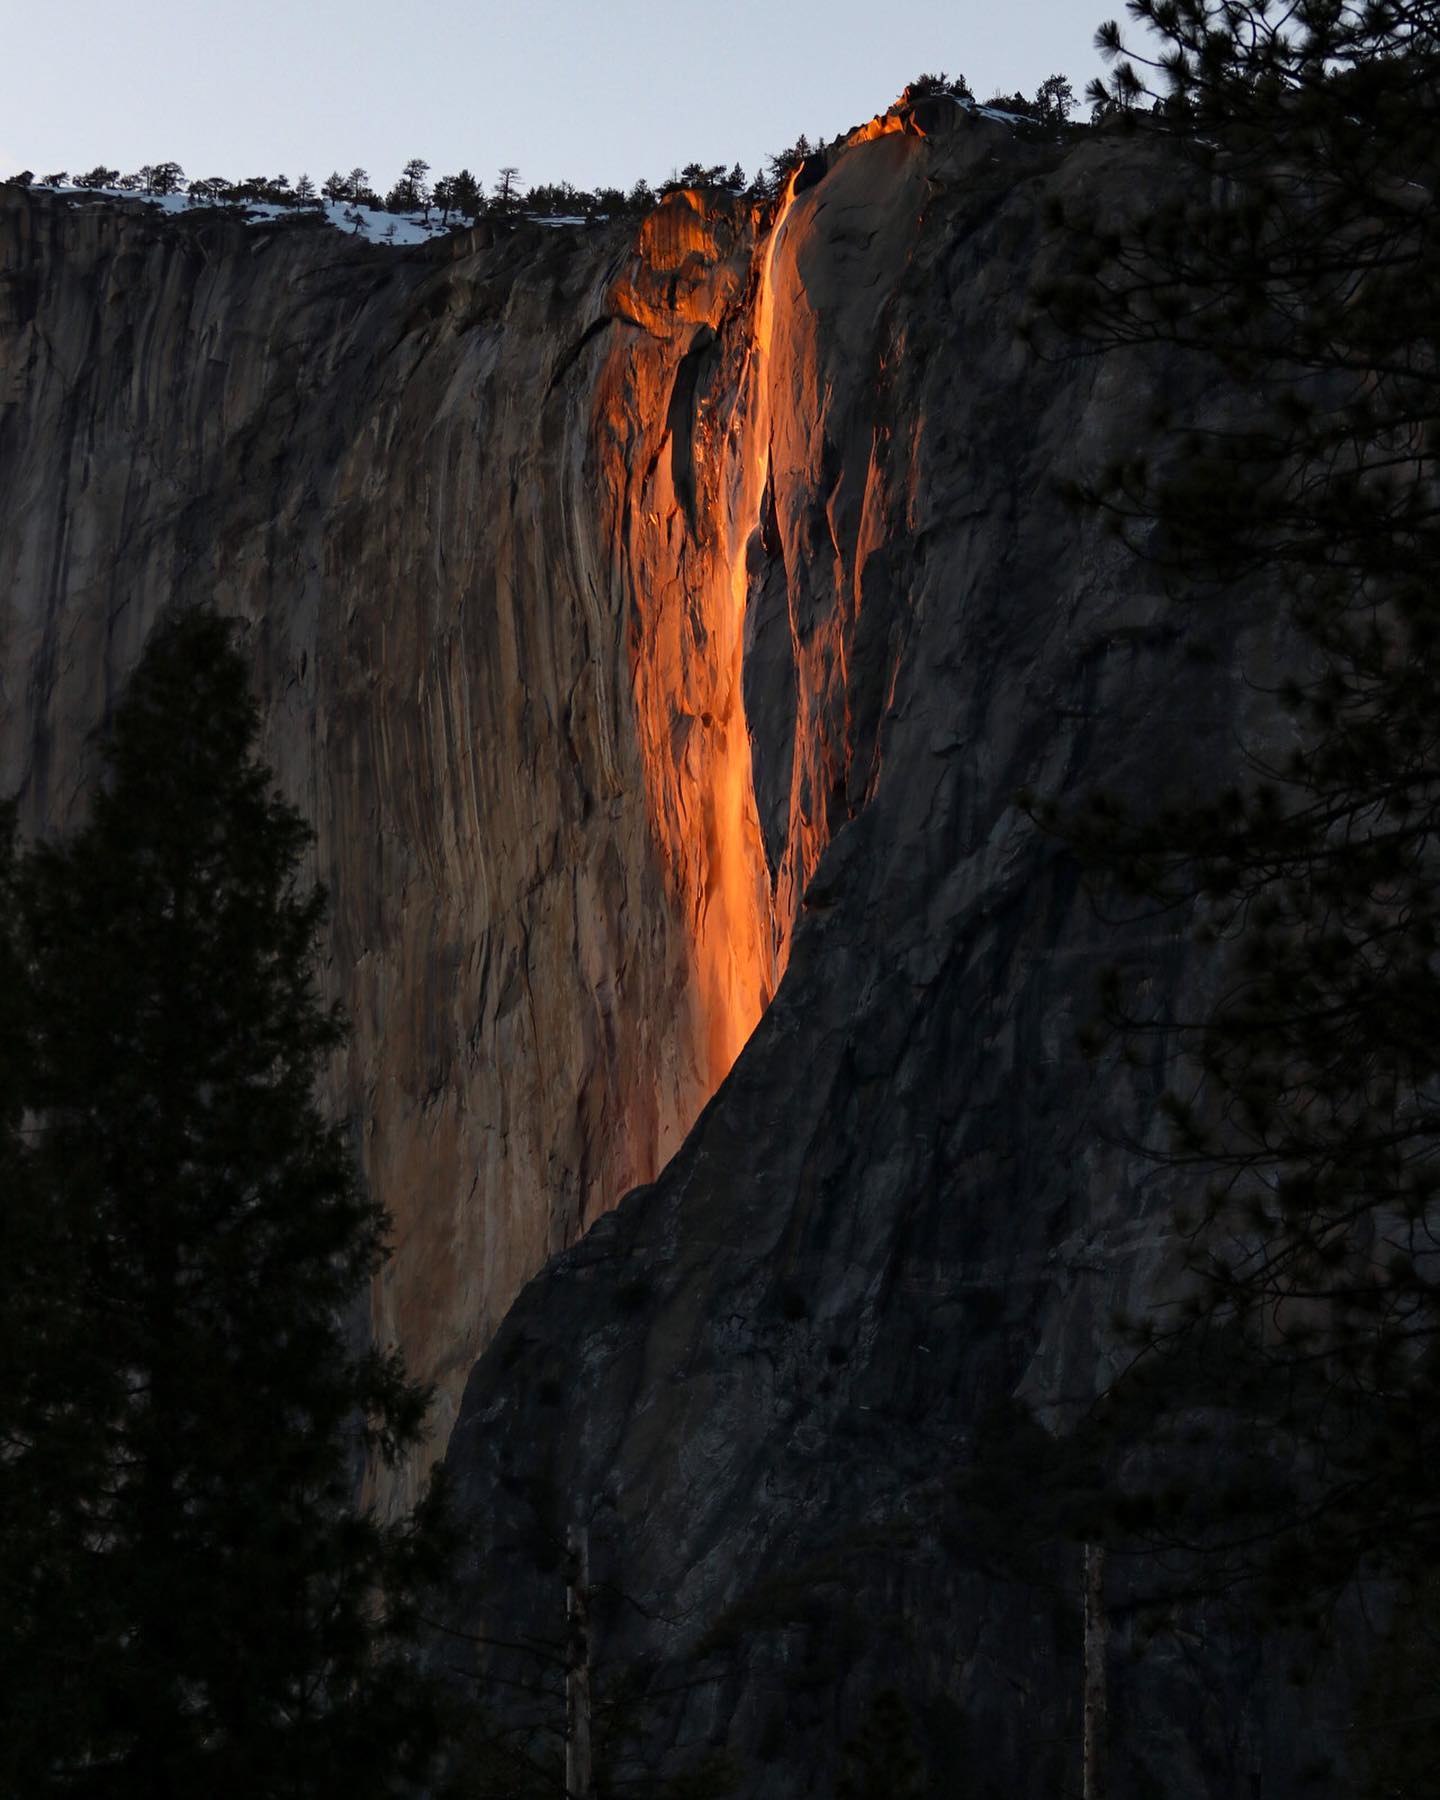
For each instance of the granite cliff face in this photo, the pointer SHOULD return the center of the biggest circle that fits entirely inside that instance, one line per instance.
(410, 474)
(653, 625)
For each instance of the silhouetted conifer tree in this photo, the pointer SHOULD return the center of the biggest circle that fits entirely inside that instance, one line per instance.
(1296, 263)
(191, 1601)
(1054, 100)
(923, 86)
(467, 199)
(410, 193)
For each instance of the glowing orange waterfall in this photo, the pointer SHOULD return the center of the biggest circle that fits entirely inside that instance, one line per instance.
(736, 941)
(682, 432)
(720, 413)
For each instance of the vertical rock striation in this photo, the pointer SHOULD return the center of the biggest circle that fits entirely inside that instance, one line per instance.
(401, 470)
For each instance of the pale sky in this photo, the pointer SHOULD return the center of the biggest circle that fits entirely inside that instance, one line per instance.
(590, 91)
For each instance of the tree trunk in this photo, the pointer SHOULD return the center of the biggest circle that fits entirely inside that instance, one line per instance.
(1095, 1706)
(577, 1669)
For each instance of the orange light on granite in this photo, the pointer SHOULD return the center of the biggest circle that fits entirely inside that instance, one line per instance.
(692, 502)
(890, 124)
(736, 947)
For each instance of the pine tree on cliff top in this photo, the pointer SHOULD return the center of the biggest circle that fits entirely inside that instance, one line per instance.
(192, 1602)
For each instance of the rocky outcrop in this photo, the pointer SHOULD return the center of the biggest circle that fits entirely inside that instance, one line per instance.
(652, 625)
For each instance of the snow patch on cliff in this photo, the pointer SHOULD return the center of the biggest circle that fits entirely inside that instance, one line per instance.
(373, 224)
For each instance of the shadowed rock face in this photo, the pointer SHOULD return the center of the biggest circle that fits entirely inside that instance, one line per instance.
(641, 621)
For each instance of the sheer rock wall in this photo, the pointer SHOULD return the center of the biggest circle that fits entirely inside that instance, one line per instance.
(756, 1386)
(649, 623)
(385, 463)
